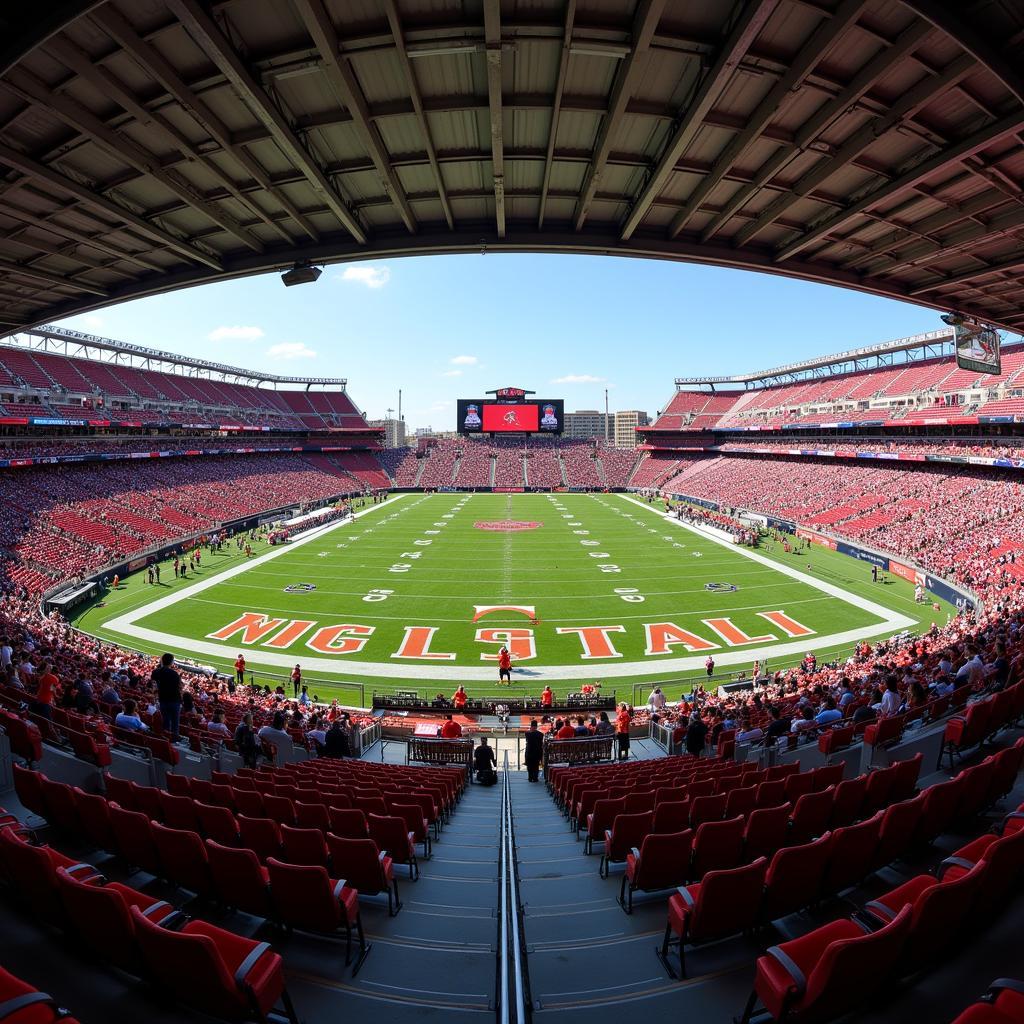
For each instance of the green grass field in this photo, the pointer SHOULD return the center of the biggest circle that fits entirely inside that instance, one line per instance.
(397, 590)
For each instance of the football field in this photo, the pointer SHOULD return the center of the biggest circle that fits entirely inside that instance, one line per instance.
(421, 591)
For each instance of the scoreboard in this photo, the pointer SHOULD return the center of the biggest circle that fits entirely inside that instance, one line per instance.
(510, 411)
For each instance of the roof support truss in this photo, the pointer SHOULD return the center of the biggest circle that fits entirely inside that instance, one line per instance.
(954, 154)
(556, 107)
(744, 31)
(492, 38)
(345, 86)
(645, 21)
(209, 37)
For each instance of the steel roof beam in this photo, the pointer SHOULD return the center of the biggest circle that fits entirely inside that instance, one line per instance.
(107, 83)
(156, 65)
(809, 54)
(954, 154)
(905, 107)
(741, 35)
(37, 274)
(556, 108)
(492, 40)
(645, 21)
(395, 23)
(211, 40)
(948, 19)
(120, 147)
(1009, 263)
(348, 91)
(821, 120)
(89, 197)
(77, 236)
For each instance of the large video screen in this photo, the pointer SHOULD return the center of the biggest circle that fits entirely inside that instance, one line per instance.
(485, 416)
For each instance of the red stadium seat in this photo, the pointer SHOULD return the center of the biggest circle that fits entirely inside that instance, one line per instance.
(724, 902)
(823, 974)
(365, 868)
(661, 862)
(20, 1003)
(229, 976)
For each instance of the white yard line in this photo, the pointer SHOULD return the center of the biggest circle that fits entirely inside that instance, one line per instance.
(892, 621)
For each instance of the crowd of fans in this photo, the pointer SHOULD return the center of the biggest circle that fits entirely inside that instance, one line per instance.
(60, 522)
(961, 522)
(1010, 448)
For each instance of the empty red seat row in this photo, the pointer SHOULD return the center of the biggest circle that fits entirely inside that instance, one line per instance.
(1003, 1003)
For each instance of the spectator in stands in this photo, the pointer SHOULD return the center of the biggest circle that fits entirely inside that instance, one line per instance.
(336, 741)
(581, 729)
(240, 669)
(696, 734)
(245, 741)
(46, 692)
(304, 700)
(128, 718)
(803, 724)
(546, 697)
(275, 733)
(603, 727)
(484, 760)
(891, 701)
(534, 753)
(565, 731)
(656, 701)
(168, 687)
(109, 694)
(829, 713)
(317, 733)
(622, 720)
(450, 729)
(749, 733)
(459, 698)
(84, 702)
(217, 726)
(779, 725)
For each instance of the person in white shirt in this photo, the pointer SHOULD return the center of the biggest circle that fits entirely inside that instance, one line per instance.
(6, 653)
(275, 733)
(891, 701)
(216, 725)
(656, 701)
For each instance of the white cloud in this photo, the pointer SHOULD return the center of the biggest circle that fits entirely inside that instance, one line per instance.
(82, 322)
(370, 276)
(452, 373)
(441, 406)
(464, 361)
(580, 378)
(291, 350)
(235, 333)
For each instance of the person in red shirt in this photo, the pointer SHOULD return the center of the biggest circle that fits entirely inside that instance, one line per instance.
(504, 666)
(459, 698)
(546, 697)
(240, 669)
(451, 730)
(48, 687)
(566, 731)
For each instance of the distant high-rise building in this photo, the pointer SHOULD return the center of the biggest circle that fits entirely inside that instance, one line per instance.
(394, 431)
(586, 423)
(626, 422)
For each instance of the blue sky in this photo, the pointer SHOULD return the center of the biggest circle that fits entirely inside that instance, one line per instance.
(445, 327)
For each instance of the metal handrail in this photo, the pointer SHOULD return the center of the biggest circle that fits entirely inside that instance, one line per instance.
(504, 1014)
(511, 963)
(517, 952)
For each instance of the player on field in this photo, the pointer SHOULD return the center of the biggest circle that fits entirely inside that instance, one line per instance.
(504, 666)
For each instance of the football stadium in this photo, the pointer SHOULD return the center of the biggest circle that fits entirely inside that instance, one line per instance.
(548, 713)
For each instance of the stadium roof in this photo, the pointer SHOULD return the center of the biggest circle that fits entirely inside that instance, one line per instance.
(929, 344)
(875, 144)
(91, 346)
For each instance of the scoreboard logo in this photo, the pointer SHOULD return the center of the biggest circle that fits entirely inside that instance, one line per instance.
(511, 393)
